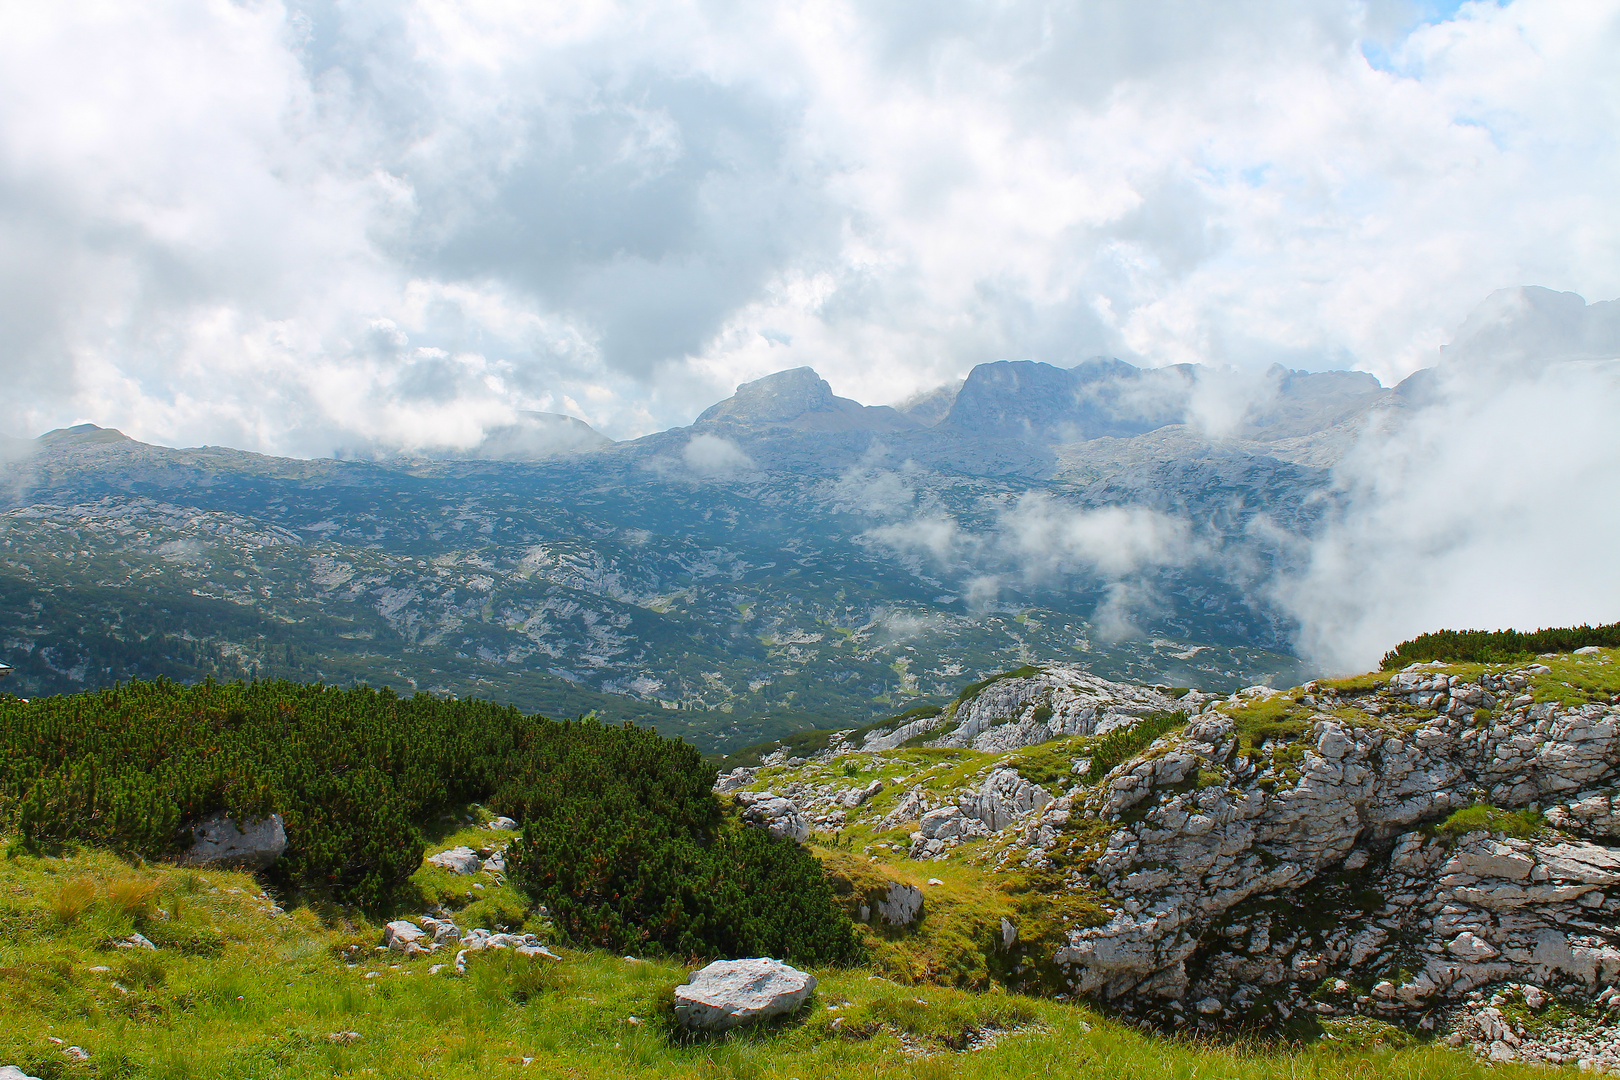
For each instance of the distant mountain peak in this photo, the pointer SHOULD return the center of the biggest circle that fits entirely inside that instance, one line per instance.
(800, 398)
(1530, 326)
(777, 398)
(84, 433)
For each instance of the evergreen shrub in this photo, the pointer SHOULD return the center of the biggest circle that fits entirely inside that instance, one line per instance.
(1495, 646)
(622, 837)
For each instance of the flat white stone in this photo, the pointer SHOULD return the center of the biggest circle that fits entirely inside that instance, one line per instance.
(729, 993)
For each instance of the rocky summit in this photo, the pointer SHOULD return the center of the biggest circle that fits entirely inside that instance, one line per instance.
(1433, 847)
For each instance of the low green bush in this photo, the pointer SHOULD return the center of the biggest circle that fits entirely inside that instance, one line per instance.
(1495, 646)
(622, 835)
(1122, 743)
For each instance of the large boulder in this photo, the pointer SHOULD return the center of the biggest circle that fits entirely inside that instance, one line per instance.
(1005, 797)
(729, 993)
(902, 905)
(458, 860)
(11, 1072)
(220, 841)
(778, 816)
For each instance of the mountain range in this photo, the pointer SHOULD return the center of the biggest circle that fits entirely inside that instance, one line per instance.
(792, 559)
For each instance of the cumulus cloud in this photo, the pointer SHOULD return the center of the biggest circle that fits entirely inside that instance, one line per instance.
(1041, 543)
(1494, 505)
(715, 458)
(307, 225)
(938, 536)
(1046, 538)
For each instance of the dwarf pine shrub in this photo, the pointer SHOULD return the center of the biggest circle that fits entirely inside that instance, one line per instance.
(622, 835)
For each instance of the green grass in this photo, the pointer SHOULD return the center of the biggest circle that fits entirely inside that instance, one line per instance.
(1121, 744)
(267, 997)
(1522, 824)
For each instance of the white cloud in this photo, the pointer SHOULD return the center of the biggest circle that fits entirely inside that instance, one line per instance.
(621, 211)
(1497, 506)
(1046, 538)
(712, 457)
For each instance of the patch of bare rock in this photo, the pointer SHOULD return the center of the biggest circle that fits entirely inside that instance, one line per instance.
(1256, 878)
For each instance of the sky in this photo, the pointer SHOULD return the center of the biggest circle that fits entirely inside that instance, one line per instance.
(328, 227)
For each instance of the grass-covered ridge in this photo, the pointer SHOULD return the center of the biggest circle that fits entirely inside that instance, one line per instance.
(1498, 646)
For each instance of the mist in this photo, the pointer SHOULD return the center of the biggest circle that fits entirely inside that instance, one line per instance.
(1496, 504)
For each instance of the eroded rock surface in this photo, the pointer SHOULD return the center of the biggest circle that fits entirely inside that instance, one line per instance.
(729, 993)
(220, 841)
(1214, 842)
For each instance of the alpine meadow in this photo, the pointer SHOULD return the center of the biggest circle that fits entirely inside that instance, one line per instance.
(669, 539)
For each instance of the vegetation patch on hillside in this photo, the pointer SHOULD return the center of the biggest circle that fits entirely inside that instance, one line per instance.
(622, 837)
(1498, 646)
(1523, 824)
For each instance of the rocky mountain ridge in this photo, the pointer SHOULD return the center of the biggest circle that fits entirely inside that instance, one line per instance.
(1405, 846)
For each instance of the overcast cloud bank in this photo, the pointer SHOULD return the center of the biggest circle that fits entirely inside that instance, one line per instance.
(1495, 505)
(308, 226)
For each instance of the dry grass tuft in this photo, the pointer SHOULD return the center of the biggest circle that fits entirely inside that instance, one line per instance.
(131, 896)
(73, 899)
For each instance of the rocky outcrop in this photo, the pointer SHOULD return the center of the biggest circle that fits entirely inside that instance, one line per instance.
(1013, 713)
(480, 940)
(729, 993)
(404, 936)
(1209, 826)
(222, 842)
(1004, 798)
(776, 815)
(1530, 1032)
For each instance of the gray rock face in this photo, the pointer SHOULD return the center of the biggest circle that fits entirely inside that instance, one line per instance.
(1183, 863)
(729, 993)
(219, 841)
(776, 815)
(404, 936)
(1591, 814)
(902, 906)
(801, 399)
(11, 1072)
(1005, 797)
(1011, 714)
(458, 860)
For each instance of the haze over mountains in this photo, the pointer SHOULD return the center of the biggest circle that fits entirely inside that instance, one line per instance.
(793, 557)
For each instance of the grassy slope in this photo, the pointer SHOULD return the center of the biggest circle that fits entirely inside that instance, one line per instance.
(239, 989)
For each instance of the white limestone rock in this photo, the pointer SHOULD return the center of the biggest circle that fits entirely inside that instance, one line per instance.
(776, 815)
(221, 842)
(457, 860)
(729, 993)
(1003, 799)
(902, 905)
(404, 936)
